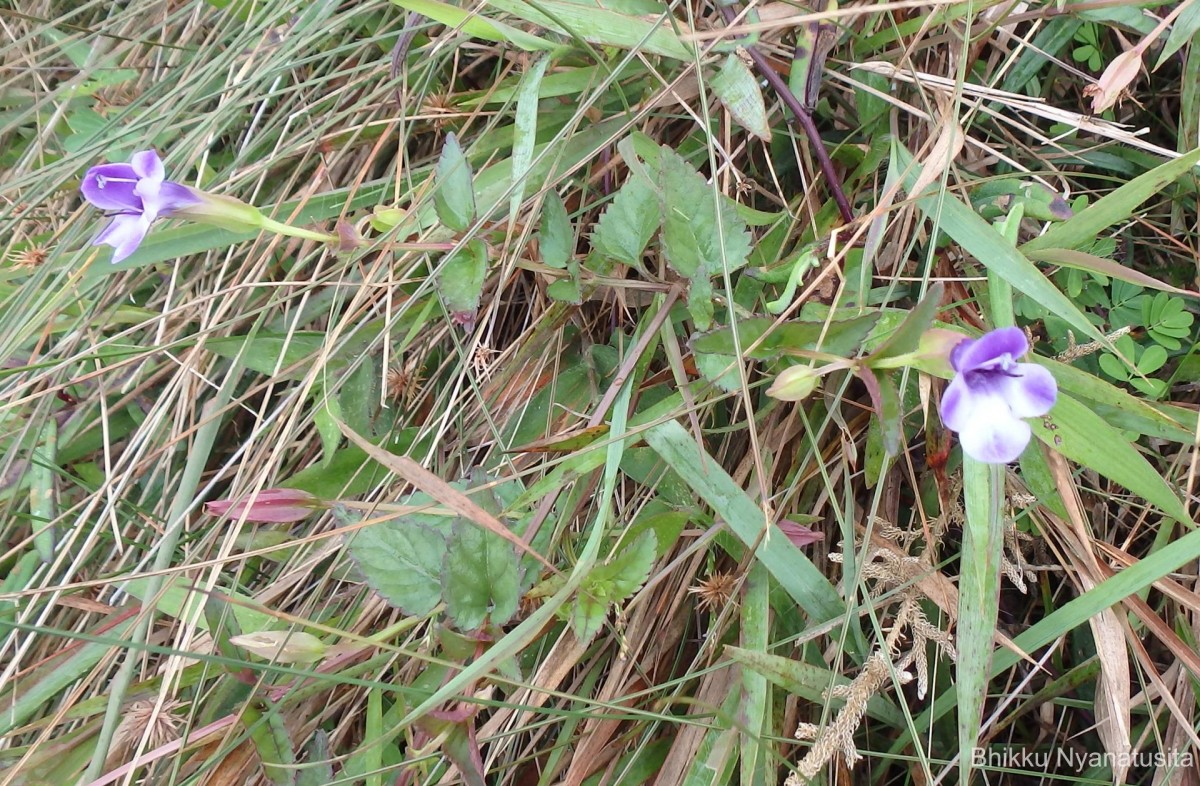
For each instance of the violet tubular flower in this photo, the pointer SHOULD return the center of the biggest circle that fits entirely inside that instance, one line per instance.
(991, 393)
(136, 194)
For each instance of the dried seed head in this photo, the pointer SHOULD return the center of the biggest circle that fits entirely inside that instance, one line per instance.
(141, 719)
(715, 591)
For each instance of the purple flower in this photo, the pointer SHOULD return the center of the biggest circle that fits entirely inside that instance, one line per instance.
(991, 392)
(135, 194)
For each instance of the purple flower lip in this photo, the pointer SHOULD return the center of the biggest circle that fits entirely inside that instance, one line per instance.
(991, 392)
(135, 194)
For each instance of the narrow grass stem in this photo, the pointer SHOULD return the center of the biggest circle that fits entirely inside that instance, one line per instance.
(281, 228)
(189, 482)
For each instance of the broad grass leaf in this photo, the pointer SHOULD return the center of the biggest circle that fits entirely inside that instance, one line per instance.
(1086, 438)
(481, 577)
(978, 595)
(908, 335)
(525, 125)
(983, 242)
(475, 25)
(738, 89)
(597, 25)
(837, 337)
(808, 682)
(702, 236)
(454, 199)
(1186, 25)
(627, 224)
(789, 566)
(402, 561)
(1116, 406)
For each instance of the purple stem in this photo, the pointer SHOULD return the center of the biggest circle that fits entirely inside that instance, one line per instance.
(802, 117)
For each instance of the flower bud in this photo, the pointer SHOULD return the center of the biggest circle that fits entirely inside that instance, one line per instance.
(269, 506)
(795, 384)
(282, 646)
(933, 351)
(222, 211)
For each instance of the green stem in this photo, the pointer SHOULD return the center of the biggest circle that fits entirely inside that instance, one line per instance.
(280, 228)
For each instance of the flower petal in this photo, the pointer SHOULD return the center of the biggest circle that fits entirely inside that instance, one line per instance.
(124, 233)
(148, 165)
(997, 440)
(111, 187)
(173, 196)
(970, 355)
(1030, 393)
(958, 404)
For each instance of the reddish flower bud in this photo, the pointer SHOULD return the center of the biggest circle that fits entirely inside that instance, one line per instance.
(269, 506)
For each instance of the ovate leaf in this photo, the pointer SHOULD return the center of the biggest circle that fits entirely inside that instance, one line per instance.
(737, 88)
(480, 577)
(612, 583)
(454, 199)
(556, 240)
(702, 235)
(628, 223)
(402, 561)
(460, 279)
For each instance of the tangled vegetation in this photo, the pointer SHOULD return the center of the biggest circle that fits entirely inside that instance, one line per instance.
(543, 392)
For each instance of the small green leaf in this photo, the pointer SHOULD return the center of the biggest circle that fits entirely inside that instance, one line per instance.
(612, 583)
(908, 335)
(481, 577)
(460, 278)
(627, 224)
(402, 561)
(629, 571)
(702, 236)
(326, 416)
(565, 291)
(738, 89)
(1112, 366)
(556, 240)
(454, 199)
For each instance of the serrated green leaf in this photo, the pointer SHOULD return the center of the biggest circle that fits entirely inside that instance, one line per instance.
(565, 291)
(612, 583)
(460, 278)
(587, 615)
(627, 224)
(454, 199)
(702, 236)
(402, 561)
(738, 89)
(556, 240)
(481, 577)
(631, 568)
